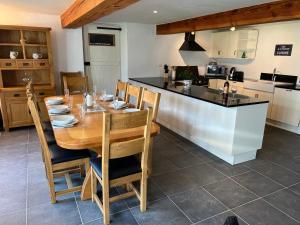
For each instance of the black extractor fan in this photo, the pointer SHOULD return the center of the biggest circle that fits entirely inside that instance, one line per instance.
(190, 44)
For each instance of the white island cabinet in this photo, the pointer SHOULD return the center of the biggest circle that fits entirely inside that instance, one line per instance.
(233, 134)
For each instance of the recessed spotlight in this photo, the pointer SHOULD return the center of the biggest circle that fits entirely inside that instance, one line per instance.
(193, 33)
(232, 28)
(155, 11)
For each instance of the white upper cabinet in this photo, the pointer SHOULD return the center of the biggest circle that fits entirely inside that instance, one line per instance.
(235, 44)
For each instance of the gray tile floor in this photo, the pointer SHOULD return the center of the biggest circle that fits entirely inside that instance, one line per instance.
(188, 186)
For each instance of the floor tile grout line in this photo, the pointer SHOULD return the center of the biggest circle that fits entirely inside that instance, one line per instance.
(223, 204)
(134, 217)
(208, 218)
(266, 176)
(262, 198)
(180, 210)
(285, 167)
(74, 195)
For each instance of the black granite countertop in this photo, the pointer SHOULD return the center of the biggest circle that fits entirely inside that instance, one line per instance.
(199, 92)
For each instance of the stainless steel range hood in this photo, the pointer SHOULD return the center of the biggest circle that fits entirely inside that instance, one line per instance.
(190, 44)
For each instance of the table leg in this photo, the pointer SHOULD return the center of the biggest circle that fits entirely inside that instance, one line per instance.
(86, 192)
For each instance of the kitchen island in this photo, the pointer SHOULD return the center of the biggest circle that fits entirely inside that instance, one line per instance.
(231, 128)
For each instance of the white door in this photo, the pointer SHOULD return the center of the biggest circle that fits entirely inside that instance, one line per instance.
(104, 55)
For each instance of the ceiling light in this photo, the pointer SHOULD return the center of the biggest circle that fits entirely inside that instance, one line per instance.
(232, 28)
(155, 11)
(193, 33)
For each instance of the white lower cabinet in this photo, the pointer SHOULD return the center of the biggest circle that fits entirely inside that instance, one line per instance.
(286, 106)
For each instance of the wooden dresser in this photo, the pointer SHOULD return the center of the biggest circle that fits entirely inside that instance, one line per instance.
(13, 72)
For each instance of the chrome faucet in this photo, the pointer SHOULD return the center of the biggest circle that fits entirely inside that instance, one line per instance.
(274, 75)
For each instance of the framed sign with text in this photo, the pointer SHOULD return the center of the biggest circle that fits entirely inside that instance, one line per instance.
(283, 50)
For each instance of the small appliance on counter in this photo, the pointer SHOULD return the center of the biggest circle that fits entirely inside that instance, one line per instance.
(213, 69)
(235, 75)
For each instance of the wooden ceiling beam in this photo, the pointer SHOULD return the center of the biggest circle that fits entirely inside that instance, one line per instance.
(82, 12)
(265, 13)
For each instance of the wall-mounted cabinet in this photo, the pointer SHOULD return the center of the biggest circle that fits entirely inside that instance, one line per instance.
(33, 59)
(239, 44)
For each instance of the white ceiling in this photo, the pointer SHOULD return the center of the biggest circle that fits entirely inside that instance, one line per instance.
(55, 7)
(174, 10)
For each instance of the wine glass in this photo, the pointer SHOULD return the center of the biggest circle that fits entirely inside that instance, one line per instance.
(233, 91)
(70, 102)
(115, 102)
(94, 94)
(67, 94)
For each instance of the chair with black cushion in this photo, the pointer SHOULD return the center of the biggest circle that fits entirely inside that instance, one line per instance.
(46, 124)
(58, 161)
(118, 165)
(121, 89)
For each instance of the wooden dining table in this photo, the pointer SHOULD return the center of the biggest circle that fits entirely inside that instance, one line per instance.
(87, 134)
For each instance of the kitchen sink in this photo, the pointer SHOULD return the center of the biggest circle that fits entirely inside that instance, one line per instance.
(261, 85)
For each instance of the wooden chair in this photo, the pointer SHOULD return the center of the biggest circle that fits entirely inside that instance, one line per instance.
(46, 124)
(118, 165)
(75, 82)
(133, 91)
(152, 99)
(58, 161)
(121, 87)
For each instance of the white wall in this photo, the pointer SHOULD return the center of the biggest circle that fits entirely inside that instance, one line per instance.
(141, 45)
(66, 44)
(265, 61)
(269, 35)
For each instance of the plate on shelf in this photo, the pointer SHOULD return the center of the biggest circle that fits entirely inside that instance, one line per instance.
(107, 98)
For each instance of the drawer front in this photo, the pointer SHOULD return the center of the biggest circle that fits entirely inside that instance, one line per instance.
(45, 93)
(41, 64)
(15, 94)
(25, 64)
(8, 64)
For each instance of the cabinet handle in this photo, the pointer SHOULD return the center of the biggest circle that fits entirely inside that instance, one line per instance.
(256, 95)
(8, 64)
(16, 95)
(25, 64)
(41, 93)
(42, 64)
(219, 52)
(234, 52)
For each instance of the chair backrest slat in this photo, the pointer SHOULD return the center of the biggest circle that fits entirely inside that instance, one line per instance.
(121, 121)
(75, 82)
(135, 92)
(151, 99)
(126, 148)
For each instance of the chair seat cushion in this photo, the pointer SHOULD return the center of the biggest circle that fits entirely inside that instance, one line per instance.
(59, 155)
(118, 167)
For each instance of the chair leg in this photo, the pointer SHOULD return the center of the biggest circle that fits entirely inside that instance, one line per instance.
(52, 188)
(93, 184)
(105, 196)
(143, 203)
(87, 166)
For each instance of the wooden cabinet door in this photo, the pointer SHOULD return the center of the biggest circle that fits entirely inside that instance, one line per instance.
(18, 112)
(213, 83)
(220, 50)
(286, 106)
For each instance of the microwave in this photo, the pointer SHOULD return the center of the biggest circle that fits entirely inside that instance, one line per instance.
(216, 70)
